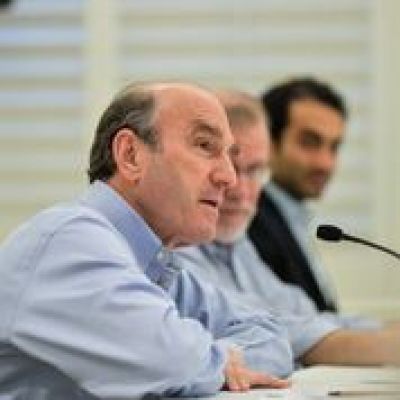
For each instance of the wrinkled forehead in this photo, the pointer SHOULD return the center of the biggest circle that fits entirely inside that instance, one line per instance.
(183, 105)
(252, 143)
(254, 132)
(175, 98)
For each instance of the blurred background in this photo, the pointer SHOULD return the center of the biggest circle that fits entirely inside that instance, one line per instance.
(61, 61)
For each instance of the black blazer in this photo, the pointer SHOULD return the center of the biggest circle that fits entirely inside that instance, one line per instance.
(279, 249)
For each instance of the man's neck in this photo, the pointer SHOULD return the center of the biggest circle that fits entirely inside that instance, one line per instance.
(289, 191)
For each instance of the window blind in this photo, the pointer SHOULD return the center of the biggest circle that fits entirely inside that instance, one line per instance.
(41, 68)
(252, 44)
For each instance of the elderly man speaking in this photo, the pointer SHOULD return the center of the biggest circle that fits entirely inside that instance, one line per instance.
(92, 304)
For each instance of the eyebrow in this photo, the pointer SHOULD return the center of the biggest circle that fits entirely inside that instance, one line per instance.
(200, 124)
(259, 164)
(312, 132)
(316, 134)
(214, 131)
(234, 150)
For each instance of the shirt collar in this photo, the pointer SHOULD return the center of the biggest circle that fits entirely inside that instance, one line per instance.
(145, 244)
(293, 209)
(223, 252)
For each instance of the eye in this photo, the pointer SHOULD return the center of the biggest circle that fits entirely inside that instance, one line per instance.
(310, 141)
(255, 173)
(206, 145)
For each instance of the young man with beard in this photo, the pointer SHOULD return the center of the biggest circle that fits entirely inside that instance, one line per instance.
(307, 122)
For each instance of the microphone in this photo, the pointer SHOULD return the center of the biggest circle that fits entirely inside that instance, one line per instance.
(332, 233)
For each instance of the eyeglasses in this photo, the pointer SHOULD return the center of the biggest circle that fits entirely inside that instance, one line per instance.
(254, 173)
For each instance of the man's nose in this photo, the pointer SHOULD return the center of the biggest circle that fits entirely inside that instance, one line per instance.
(225, 174)
(326, 159)
(240, 190)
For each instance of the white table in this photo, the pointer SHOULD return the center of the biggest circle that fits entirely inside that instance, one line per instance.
(321, 382)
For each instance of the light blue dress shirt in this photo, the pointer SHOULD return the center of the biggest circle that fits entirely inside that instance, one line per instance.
(238, 270)
(92, 306)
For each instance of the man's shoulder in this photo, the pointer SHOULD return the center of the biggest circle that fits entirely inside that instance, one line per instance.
(50, 243)
(268, 207)
(268, 221)
(70, 222)
(54, 219)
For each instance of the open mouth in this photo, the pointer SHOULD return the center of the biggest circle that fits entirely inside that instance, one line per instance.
(235, 211)
(210, 203)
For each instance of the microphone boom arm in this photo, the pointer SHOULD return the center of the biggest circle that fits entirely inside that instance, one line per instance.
(371, 244)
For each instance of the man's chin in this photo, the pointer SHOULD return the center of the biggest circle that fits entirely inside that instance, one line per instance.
(205, 235)
(315, 188)
(308, 191)
(314, 193)
(229, 236)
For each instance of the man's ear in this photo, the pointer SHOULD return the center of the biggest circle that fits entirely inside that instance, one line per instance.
(127, 151)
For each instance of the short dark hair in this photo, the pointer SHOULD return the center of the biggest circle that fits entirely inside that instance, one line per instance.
(276, 101)
(132, 108)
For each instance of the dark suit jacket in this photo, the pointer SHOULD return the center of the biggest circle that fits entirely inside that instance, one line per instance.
(279, 249)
